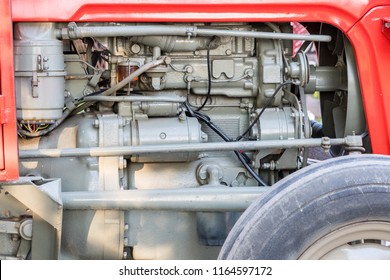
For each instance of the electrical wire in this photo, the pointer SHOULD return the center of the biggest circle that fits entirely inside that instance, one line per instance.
(208, 75)
(38, 133)
(240, 155)
(270, 100)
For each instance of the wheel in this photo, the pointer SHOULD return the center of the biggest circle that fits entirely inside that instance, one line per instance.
(339, 208)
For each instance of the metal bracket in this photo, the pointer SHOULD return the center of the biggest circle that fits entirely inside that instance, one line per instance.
(34, 85)
(354, 144)
(43, 198)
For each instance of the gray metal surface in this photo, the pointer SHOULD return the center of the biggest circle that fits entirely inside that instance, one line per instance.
(173, 131)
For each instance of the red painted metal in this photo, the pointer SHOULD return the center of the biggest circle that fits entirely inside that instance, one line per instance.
(372, 49)
(8, 132)
(341, 13)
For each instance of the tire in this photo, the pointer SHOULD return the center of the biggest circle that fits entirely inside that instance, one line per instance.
(310, 213)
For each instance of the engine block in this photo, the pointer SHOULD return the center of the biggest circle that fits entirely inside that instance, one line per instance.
(85, 86)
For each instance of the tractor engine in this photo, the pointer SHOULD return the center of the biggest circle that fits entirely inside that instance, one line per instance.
(143, 108)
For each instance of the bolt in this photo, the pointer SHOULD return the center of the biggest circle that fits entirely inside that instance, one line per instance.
(126, 241)
(144, 79)
(126, 227)
(249, 73)
(135, 48)
(182, 116)
(387, 24)
(87, 92)
(196, 52)
(266, 165)
(163, 135)
(189, 69)
(15, 237)
(125, 255)
(96, 123)
(228, 52)
(167, 60)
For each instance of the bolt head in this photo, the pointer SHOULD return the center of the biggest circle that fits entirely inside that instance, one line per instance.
(163, 135)
(96, 123)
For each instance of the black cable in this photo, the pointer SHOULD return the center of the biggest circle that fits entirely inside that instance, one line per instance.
(263, 109)
(240, 155)
(208, 75)
(250, 169)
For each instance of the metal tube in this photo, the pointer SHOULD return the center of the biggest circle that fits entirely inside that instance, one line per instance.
(135, 98)
(263, 35)
(205, 198)
(173, 148)
(132, 76)
(75, 32)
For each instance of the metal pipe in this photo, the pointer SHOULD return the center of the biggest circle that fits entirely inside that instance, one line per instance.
(205, 198)
(173, 148)
(264, 35)
(133, 75)
(75, 32)
(136, 98)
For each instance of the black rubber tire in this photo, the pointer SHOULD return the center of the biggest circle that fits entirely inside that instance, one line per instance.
(310, 203)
